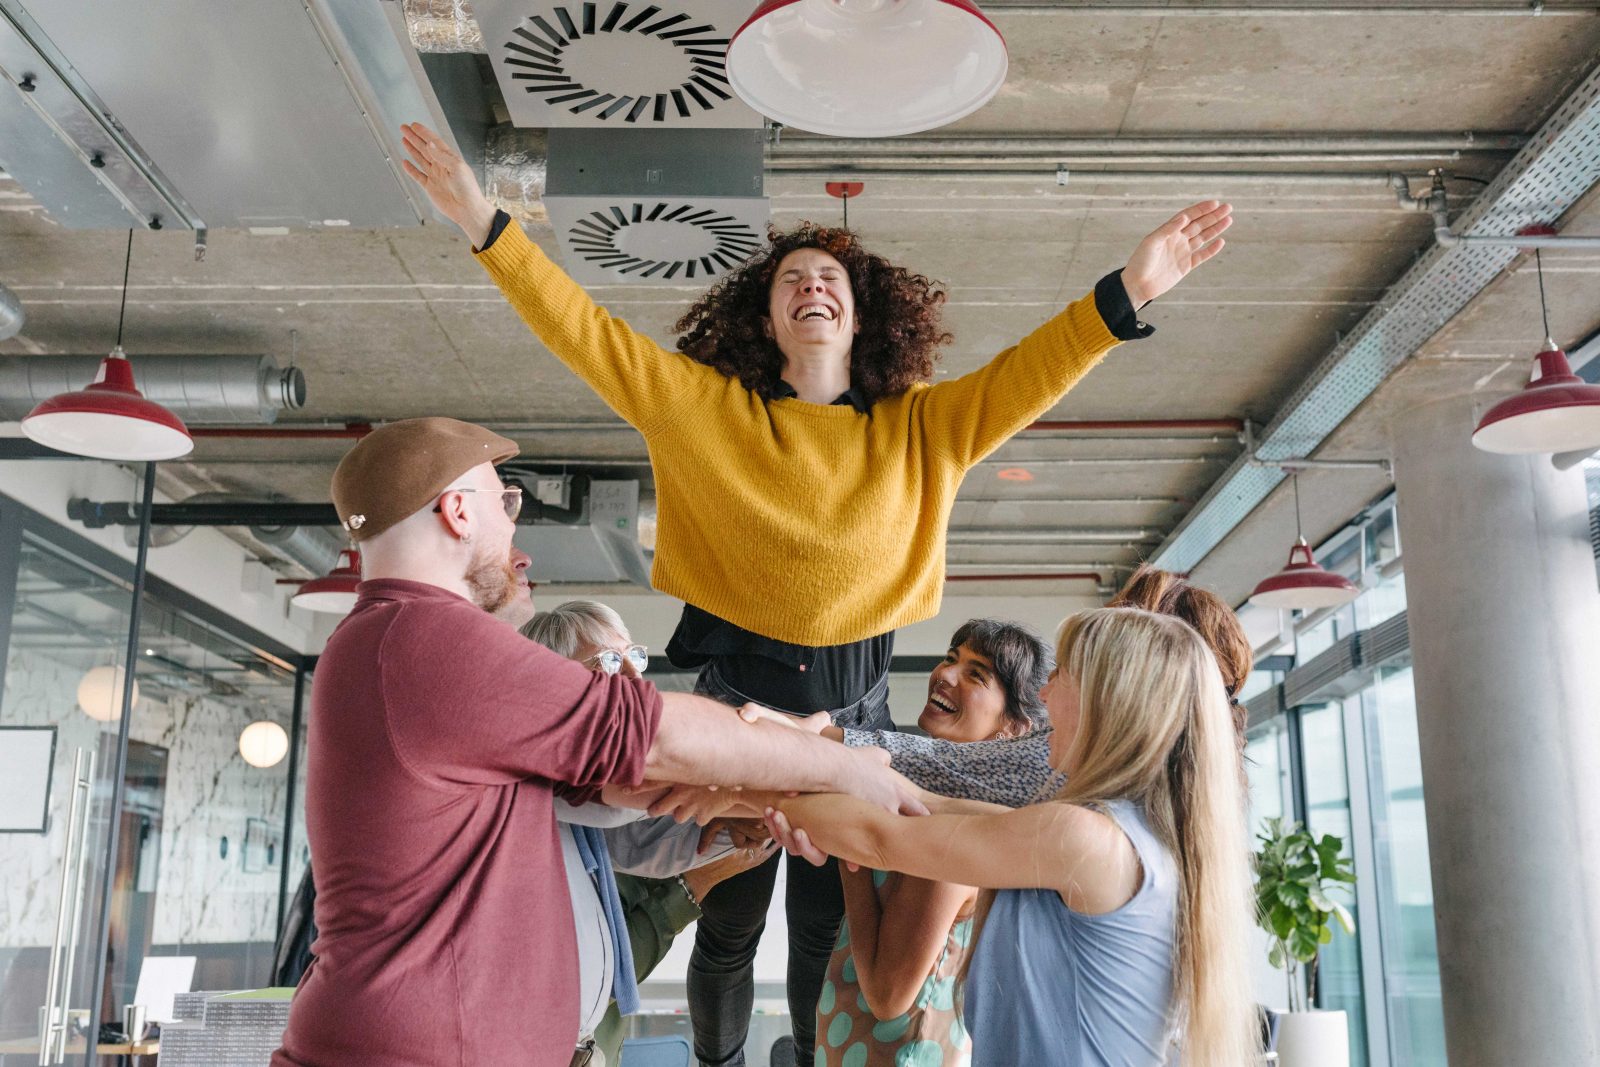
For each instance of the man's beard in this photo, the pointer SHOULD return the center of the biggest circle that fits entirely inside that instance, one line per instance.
(494, 583)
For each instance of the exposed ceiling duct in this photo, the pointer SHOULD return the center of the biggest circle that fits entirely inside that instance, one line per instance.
(288, 120)
(442, 26)
(605, 548)
(200, 389)
(515, 170)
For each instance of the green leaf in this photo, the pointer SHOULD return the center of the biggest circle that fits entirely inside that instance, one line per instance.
(1275, 955)
(1324, 935)
(1302, 944)
(1346, 920)
(1283, 923)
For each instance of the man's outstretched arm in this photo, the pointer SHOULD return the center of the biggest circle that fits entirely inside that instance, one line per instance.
(702, 742)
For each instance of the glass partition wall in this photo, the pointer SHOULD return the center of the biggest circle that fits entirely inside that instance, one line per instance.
(206, 821)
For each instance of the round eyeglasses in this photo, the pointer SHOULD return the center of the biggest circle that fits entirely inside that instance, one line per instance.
(610, 660)
(510, 498)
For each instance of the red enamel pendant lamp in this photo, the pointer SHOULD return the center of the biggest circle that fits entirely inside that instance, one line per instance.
(335, 592)
(1302, 584)
(109, 418)
(866, 68)
(1557, 411)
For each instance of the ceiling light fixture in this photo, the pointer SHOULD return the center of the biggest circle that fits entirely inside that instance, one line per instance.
(263, 743)
(100, 693)
(866, 68)
(1302, 584)
(110, 418)
(1557, 411)
(334, 592)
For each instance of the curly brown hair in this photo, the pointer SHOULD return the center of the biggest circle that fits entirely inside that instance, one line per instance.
(898, 313)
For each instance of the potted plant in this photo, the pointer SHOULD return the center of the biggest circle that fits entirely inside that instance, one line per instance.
(1294, 874)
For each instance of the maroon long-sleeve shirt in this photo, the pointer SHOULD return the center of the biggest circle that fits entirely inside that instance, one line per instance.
(445, 932)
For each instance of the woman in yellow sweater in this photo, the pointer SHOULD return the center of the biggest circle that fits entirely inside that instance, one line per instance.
(805, 470)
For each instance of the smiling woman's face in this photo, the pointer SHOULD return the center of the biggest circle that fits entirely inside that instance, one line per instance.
(966, 701)
(810, 305)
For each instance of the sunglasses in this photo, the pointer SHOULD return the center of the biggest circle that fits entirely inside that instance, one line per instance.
(510, 499)
(609, 661)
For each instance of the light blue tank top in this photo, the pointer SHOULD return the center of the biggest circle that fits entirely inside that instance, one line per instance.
(1051, 986)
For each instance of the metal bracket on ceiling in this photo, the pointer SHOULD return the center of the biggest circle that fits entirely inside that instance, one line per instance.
(1294, 464)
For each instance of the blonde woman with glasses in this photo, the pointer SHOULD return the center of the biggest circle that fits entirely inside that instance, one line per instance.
(1116, 915)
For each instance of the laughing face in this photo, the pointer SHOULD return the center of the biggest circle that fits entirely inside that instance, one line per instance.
(810, 307)
(966, 701)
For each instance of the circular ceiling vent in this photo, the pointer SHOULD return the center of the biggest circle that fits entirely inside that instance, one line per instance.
(620, 63)
(662, 240)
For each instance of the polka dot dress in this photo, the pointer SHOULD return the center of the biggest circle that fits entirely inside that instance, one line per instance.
(929, 1035)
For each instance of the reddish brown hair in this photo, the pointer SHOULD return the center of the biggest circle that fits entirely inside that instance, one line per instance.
(1167, 593)
(898, 313)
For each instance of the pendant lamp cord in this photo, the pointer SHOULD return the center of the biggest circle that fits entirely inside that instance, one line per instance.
(1295, 479)
(1544, 311)
(122, 312)
(846, 199)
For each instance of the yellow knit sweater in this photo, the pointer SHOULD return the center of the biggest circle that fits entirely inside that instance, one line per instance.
(808, 523)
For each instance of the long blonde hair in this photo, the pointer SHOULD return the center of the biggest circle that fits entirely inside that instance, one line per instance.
(1155, 728)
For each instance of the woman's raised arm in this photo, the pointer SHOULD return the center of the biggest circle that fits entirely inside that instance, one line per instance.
(638, 379)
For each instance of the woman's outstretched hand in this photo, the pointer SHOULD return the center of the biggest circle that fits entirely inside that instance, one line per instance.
(448, 181)
(1187, 240)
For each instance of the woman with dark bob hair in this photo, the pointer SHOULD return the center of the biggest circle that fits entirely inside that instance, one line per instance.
(805, 470)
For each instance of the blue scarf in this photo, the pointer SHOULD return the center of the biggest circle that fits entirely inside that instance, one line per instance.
(597, 861)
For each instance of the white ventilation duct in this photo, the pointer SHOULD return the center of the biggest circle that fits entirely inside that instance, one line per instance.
(245, 390)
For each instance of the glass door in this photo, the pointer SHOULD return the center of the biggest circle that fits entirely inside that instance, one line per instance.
(64, 634)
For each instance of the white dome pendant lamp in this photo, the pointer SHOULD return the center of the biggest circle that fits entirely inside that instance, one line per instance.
(866, 68)
(1557, 411)
(1302, 584)
(109, 418)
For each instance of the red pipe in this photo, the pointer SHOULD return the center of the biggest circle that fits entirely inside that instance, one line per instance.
(1057, 576)
(285, 433)
(1092, 425)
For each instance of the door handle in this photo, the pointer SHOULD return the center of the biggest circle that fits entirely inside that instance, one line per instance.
(53, 1016)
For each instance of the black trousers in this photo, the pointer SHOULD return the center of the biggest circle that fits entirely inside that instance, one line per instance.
(733, 916)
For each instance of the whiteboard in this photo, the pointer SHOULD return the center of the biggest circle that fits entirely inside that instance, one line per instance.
(27, 754)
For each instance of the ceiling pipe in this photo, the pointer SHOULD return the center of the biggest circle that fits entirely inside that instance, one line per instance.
(198, 388)
(1002, 535)
(1436, 203)
(1036, 146)
(1063, 175)
(350, 430)
(1039, 576)
(1201, 9)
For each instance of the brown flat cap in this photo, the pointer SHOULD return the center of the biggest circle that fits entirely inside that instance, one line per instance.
(397, 469)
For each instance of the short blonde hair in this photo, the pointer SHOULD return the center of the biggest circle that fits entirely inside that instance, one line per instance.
(568, 627)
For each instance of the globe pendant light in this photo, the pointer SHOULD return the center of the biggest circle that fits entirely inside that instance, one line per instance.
(334, 592)
(109, 418)
(1302, 584)
(866, 68)
(263, 743)
(1557, 411)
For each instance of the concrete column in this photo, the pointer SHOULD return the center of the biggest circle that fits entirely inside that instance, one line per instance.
(1505, 637)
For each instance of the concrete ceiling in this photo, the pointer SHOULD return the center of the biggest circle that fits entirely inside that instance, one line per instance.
(395, 323)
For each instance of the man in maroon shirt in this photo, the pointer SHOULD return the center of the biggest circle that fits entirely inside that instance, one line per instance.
(437, 736)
